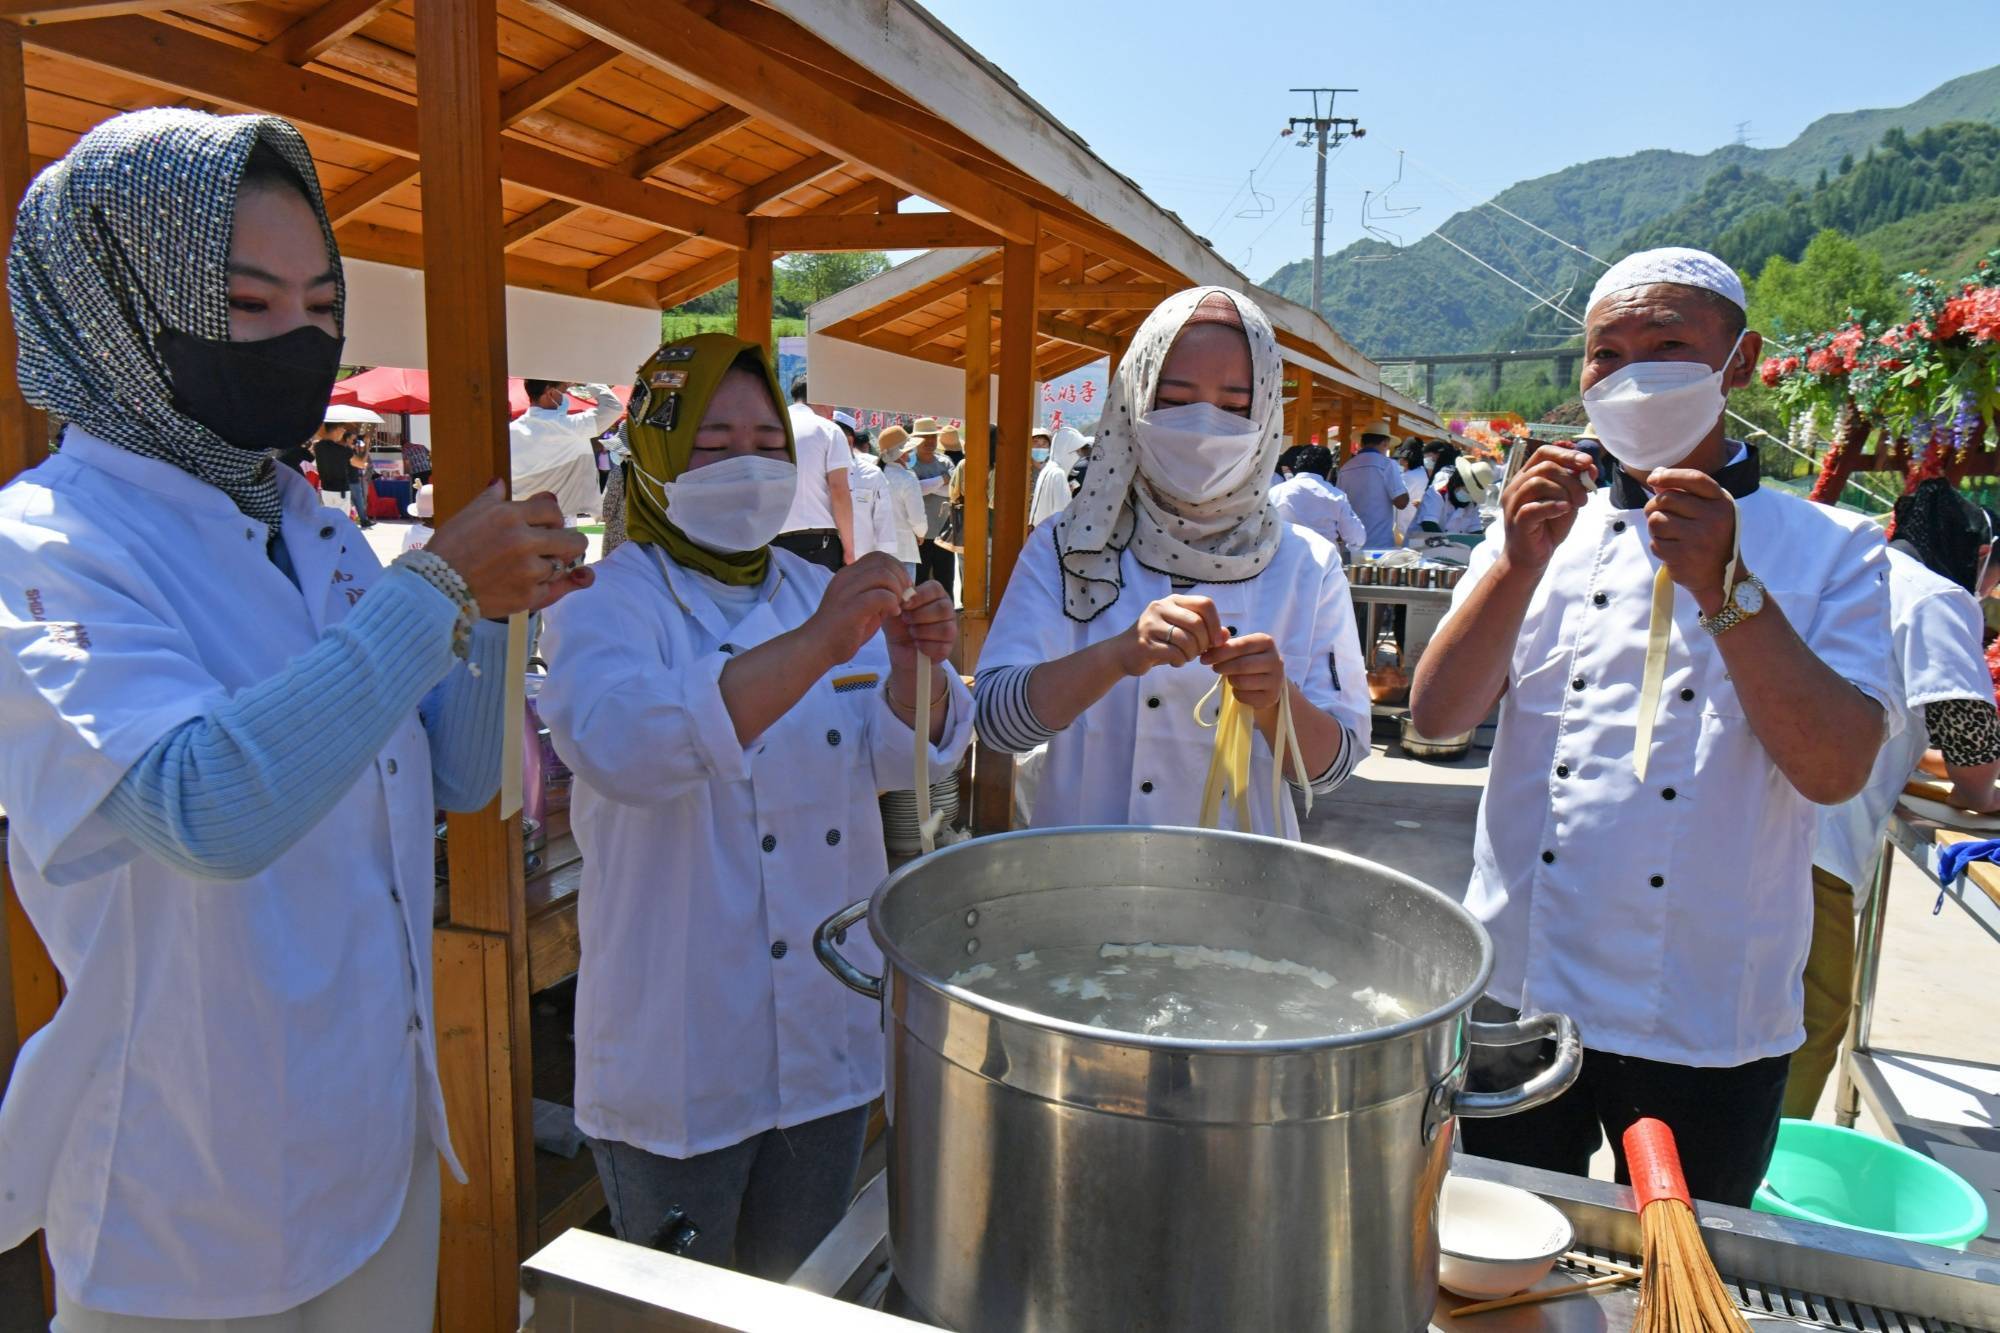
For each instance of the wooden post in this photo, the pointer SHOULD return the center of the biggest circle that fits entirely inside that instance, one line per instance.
(1018, 287)
(480, 1014)
(34, 989)
(23, 433)
(753, 290)
(978, 460)
(1307, 413)
(1346, 430)
(1121, 343)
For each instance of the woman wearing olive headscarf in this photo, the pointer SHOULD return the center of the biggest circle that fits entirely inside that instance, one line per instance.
(235, 1114)
(730, 712)
(1173, 557)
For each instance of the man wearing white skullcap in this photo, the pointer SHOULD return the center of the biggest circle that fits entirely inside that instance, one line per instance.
(1685, 665)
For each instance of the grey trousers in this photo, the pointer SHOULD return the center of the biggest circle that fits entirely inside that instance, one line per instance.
(759, 1206)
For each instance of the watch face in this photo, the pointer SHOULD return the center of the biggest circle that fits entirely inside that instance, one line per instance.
(1749, 598)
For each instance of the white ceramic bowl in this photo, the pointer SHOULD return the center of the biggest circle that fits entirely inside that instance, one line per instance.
(1495, 1240)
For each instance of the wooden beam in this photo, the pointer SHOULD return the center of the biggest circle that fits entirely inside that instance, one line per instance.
(753, 288)
(867, 322)
(534, 222)
(1304, 407)
(389, 245)
(700, 280)
(978, 454)
(1104, 296)
(481, 1008)
(322, 30)
(1018, 275)
(33, 13)
(878, 231)
(688, 139)
(23, 432)
(536, 91)
(640, 165)
(1071, 332)
(369, 188)
(746, 201)
(736, 71)
(180, 60)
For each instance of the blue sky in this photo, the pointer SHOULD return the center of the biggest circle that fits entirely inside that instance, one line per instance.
(1186, 96)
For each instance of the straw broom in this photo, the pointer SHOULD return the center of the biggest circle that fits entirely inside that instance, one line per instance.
(1680, 1292)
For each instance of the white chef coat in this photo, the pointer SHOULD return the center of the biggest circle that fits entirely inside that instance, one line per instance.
(870, 495)
(1938, 635)
(1415, 482)
(702, 1015)
(903, 512)
(551, 451)
(820, 448)
(1670, 919)
(219, 1121)
(1311, 501)
(1137, 756)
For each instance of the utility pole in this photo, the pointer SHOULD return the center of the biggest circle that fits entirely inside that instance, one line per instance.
(1321, 127)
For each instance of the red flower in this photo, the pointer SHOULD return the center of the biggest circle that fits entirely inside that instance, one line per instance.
(1771, 371)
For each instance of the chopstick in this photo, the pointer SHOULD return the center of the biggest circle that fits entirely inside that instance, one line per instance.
(1537, 1297)
(1586, 1261)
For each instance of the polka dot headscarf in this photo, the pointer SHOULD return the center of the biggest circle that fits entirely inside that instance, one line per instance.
(1226, 538)
(130, 228)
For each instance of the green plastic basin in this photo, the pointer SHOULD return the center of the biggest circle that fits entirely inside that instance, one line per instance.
(1823, 1173)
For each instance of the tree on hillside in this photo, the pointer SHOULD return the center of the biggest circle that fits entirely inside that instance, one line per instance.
(1832, 277)
(801, 280)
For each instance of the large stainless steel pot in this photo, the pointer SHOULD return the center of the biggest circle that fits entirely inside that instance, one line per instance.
(1049, 1176)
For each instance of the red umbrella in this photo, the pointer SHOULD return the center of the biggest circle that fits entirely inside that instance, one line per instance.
(386, 389)
(390, 389)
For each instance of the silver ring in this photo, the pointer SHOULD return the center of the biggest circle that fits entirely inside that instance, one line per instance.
(557, 568)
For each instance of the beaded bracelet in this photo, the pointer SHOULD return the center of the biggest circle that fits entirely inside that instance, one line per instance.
(437, 571)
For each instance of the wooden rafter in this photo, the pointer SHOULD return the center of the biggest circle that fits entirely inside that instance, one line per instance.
(321, 30)
(180, 60)
(1103, 295)
(536, 91)
(733, 70)
(868, 321)
(32, 13)
(645, 162)
(746, 201)
(878, 231)
(388, 245)
(709, 274)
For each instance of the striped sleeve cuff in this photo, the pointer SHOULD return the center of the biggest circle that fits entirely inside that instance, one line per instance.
(1340, 769)
(1002, 714)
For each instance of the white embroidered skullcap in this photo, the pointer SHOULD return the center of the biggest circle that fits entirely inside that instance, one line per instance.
(1672, 263)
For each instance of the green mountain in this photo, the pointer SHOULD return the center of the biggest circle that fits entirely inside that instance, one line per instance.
(1430, 297)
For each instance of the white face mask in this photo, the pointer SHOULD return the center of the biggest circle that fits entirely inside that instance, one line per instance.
(1196, 451)
(737, 504)
(1652, 414)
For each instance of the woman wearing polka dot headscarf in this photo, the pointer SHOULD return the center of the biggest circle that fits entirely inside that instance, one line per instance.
(1170, 568)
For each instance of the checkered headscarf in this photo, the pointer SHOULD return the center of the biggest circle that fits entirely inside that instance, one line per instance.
(130, 228)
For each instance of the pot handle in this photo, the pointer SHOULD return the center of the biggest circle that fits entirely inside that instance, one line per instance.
(1544, 1087)
(850, 976)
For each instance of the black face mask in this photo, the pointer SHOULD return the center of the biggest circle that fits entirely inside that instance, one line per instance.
(258, 396)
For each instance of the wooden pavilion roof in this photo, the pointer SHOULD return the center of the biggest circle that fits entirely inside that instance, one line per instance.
(641, 145)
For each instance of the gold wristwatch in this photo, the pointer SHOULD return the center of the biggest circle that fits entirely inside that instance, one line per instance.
(1746, 599)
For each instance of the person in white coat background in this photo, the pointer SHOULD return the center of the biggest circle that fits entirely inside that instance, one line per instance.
(1168, 569)
(730, 711)
(1052, 484)
(235, 1116)
(1310, 499)
(906, 522)
(552, 446)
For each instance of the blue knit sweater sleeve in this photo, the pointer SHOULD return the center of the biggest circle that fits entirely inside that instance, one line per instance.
(224, 795)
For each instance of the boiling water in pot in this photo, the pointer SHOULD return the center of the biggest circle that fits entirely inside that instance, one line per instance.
(1183, 991)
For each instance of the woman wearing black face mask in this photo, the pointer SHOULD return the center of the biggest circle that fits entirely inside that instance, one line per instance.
(236, 1112)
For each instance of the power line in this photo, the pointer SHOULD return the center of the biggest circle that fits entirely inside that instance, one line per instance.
(1464, 193)
(1539, 298)
(1262, 162)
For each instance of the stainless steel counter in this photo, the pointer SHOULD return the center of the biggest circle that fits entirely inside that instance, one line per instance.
(1784, 1274)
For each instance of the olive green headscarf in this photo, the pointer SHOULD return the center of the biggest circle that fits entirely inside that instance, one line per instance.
(669, 400)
